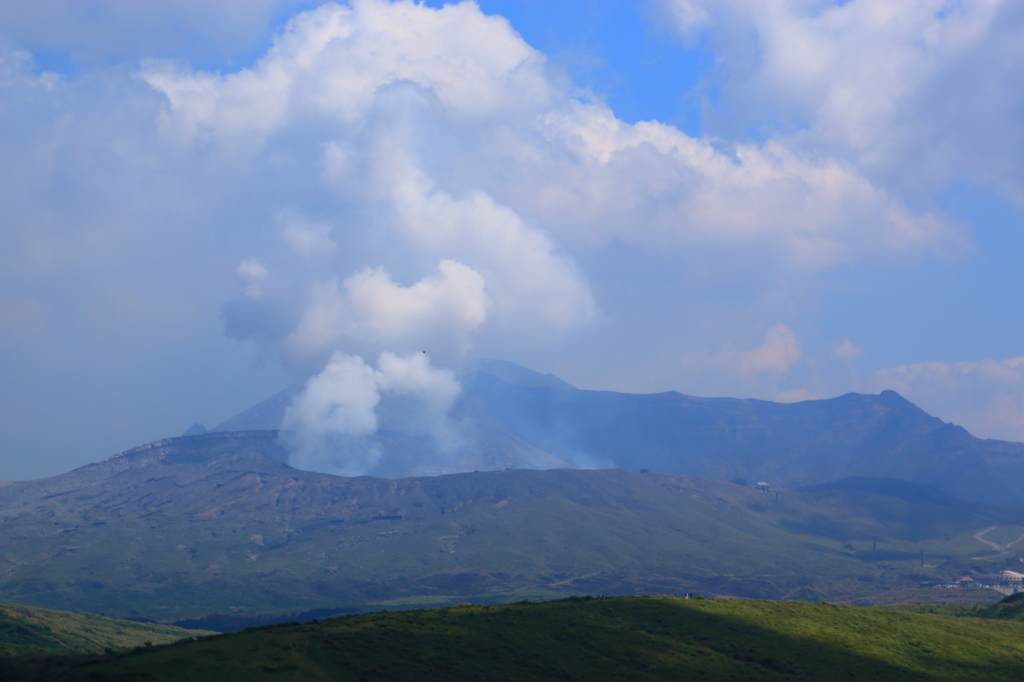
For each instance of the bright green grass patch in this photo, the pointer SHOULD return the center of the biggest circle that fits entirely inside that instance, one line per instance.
(27, 629)
(630, 638)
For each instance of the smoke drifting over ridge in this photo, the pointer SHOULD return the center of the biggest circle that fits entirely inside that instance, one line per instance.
(329, 424)
(402, 268)
(414, 118)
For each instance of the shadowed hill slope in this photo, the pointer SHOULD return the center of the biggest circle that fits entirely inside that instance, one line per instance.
(916, 493)
(583, 639)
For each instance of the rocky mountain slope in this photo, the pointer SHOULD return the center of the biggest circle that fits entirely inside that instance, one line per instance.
(191, 526)
(787, 445)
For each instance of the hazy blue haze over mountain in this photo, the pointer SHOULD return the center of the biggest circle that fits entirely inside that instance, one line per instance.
(785, 444)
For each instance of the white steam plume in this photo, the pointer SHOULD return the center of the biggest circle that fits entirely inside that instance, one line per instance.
(440, 311)
(329, 426)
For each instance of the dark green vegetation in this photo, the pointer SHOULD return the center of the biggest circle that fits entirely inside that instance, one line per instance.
(207, 524)
(647, 638)
(1010, 608)
(522, 419)
(26, 630)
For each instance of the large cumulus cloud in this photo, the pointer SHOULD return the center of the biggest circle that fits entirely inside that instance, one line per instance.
(394, 178)
(917, 94)
(444, 134)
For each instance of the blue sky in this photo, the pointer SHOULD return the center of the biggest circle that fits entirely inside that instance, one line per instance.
(621, 51)
(830, 201)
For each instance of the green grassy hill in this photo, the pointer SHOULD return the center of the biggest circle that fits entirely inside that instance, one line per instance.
(641, 638)
(28, 630)
(1010, 608)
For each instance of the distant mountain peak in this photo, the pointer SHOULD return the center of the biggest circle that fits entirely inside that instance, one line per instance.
(512, 373)
(264, 415)
(196, 429)
(892, 396)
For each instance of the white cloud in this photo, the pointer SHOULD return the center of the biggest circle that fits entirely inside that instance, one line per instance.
(533, 287)
(426, 394)
(578, 169)
(919, 93)
(847, 350)
(752, 371)
(252, 275)
(329, 421)
(335, 60)
(779, 352)
(341, 398)
(310, 239)
(445, 137)
(440, 311)
(816, 210)
(360, 77)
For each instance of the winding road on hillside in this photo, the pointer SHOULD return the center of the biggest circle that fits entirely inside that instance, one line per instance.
(1002, 549)
(983, 531)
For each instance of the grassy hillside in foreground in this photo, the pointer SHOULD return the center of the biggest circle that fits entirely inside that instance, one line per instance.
(628, 638)
(27, 629)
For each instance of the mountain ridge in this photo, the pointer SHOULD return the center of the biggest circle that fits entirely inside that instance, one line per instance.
(786, 444)
(525, 419)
